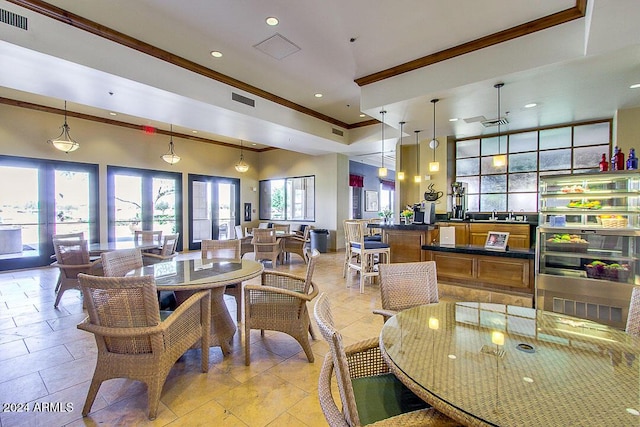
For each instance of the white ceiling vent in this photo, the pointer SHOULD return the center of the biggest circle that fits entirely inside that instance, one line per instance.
(243, 99)
(277, 47)
(495, 122)
(13, 19)
(337, 132)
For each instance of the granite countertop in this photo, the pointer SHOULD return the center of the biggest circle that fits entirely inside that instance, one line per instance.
(480, 250)
(408, 227)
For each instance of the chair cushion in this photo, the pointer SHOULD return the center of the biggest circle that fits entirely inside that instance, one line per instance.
(383, 396)
(376, 238)
(371, 245)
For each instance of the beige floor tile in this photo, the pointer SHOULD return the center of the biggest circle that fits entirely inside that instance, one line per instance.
(207, 415)
(57, 378)
(12, 349)
(23, 389)
(33, 362)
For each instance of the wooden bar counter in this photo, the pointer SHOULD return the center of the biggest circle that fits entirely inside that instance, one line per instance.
(406, 241)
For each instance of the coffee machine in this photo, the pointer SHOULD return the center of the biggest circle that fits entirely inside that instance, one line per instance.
(424, 213)
(458, 200)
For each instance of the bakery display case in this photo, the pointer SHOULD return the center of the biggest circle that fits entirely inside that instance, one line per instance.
(588, 242)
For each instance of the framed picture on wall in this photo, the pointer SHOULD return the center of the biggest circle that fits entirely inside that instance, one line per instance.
(371, 201)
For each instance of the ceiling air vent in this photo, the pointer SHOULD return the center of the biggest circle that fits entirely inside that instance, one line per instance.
(337, 132)
(13, 19)
(243, 99)
(495, 122)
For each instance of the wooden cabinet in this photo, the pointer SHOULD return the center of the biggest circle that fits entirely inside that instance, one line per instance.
(519, 234)
(406, 241)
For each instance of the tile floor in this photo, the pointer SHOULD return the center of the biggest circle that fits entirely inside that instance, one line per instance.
(47, 363)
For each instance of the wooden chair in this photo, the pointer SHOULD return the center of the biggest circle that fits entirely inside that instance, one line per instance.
(119, 263)
(406, 285)
(245, 240)
(364, 254)
(72, 258)
(168, 250)
(633, 319)
(280, 304)
(147, 237)
(369, 393)
(266, 246)
(282, 228)
(133, 340)
(226, 249)
(298, 244)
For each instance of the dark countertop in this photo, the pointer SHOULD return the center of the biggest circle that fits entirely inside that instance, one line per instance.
(480, 250)
(410, 227)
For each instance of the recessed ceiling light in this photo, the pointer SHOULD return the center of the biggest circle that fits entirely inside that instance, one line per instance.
(113, 114)
(194, 131)
(531, 105)
(635, 86)
(254, 143)
(363, 115)
(272, 21)
(318, 95)
(216, 54)
(455, 119)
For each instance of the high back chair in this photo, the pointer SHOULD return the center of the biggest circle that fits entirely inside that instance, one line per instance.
(282, 228)
(72, 258)
(133, 341)
(633, 319)
(406, 285)
(119, 263)
(369, 393)
(279, 303)
(225, 249)
(364, 255)
(266, 245)
(298, 244)
(68, 236)
(168, 250)
(245, 240)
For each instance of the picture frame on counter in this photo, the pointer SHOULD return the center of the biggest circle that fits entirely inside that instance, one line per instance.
(496, 241)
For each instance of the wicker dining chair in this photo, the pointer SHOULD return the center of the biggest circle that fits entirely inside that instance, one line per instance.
(364, 255)
(167, 252)
(280, 304)
(226, 249)
(133, 340)
(266, 245)
(298, 244)
(147, 237)
(245, 240)
(72, 258)
(406, 285)
(119, 263)
(369, 393)
(633, 319)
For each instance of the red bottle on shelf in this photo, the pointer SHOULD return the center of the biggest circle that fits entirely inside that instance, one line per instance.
(604, 165)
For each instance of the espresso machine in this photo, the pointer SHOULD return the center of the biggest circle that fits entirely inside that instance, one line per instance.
(458, 200)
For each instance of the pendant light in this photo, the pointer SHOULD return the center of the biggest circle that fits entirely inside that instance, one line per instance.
(382, 171)
(242, 166)
(499, 160)
(171, 157)
(400, 174)
(64, 142)
(417, 178)
(434, 166)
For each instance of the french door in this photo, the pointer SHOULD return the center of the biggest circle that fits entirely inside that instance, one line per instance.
(40, 198)
(214, 208)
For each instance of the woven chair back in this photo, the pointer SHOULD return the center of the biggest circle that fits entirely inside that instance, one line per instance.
(169, 245)
(148, 237)
(406, 285)
(119, 263)
(122, 302)
(633, 320)
(220, 249)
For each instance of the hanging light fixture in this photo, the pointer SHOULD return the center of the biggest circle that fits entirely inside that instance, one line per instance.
(242, 166)
(64, 142)
(171, 157)
(499, 159)
(382, 171)
(434, 166)
(400, 174)
(417, 178)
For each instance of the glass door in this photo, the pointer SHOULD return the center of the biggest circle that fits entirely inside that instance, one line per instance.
(214, 208)
(43, 199)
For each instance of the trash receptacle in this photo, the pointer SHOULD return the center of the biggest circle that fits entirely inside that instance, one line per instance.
(319, 239)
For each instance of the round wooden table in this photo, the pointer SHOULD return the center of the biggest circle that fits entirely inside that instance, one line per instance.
(499, 365)
(184, 277)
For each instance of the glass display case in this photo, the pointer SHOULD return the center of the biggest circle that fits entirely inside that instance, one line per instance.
(588, 242)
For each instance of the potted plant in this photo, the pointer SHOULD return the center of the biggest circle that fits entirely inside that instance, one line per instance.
(385, 214)
(407, 214)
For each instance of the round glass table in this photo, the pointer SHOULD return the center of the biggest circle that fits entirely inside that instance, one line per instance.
(184, 277)
(493, 364)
